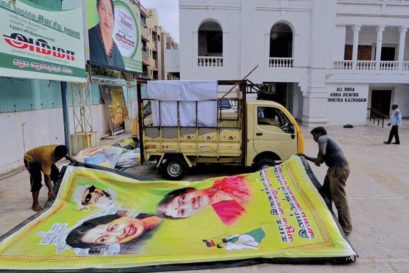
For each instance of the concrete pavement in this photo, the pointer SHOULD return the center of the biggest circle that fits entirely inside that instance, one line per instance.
(378, 191)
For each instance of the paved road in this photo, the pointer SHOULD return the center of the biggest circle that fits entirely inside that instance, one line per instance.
(378, 190)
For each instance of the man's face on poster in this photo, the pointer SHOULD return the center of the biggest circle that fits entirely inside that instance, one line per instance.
(94, 196)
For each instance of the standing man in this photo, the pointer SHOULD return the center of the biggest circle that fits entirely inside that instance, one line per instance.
(336, 177)
(43, 159)
(396, 121)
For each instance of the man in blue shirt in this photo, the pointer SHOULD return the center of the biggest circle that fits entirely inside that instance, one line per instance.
(396, 121)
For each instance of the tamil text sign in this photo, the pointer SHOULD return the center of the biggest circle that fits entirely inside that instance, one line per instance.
(41, 44)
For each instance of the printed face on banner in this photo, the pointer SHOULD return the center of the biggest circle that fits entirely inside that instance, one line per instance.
(274, 213)
(90, 196)
(114, 34)
(106, 17)
(104, 156)
(118, 231)
(94, 196)
(186, 205)
(228, 197)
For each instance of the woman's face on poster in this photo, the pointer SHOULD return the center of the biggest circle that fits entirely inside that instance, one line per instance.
(121, 230)
(106, 16)
(187, 204)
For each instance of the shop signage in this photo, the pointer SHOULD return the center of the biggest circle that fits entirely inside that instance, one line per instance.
(346, 94)
(41, 44)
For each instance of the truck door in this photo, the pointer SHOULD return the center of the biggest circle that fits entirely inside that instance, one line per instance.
(274, 132)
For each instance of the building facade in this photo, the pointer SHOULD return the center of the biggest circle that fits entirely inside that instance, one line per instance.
(155, 41)
(327, 61)
(171, 58)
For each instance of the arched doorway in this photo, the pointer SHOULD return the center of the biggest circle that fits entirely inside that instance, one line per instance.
(281, 41)
(210, 44)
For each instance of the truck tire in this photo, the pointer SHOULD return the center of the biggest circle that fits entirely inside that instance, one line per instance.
(174, 168)
(265, 163)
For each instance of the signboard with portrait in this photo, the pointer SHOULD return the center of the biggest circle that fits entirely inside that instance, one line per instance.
(37, 43)
(115, 106)
(114, 34)
(275, 214)
(104, 156)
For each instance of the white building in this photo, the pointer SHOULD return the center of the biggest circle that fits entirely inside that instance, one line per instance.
(320, 58)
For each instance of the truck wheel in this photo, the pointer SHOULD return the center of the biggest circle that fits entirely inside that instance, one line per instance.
(174, 168)
(265, 163)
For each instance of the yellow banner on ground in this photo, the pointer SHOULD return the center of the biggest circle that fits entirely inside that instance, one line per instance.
(104, 220)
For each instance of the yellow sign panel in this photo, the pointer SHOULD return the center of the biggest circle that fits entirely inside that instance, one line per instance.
(104, 220)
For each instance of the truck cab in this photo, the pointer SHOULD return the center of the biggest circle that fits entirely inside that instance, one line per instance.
(273, 134)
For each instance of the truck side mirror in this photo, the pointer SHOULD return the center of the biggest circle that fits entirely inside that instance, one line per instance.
(291, 129)
(288, 128)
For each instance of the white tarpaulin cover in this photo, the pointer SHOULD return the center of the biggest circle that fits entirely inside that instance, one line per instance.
(167, 94)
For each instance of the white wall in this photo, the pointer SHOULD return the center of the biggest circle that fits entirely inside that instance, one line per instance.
(26, 130)
(339, 43)
(172, 57)
(406, 54)
(400, 96)
(241, 28)
(299, 21)
(297, 102)
(347, 112)
(228, 16)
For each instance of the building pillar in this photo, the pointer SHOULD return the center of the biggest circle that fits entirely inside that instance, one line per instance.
(402, 40)
(355, 44)
(195, 51)
(315, 91)
(379, 35)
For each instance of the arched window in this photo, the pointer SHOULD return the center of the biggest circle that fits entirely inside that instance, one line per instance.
(210, 40)
(281, 41)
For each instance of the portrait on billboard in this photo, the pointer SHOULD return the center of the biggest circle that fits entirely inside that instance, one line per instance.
(103, 49)
(114, 34)
(115, 106)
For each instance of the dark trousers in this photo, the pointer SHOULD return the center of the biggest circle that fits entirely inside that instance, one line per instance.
(333, 190)
(35, 174)
(394, 133)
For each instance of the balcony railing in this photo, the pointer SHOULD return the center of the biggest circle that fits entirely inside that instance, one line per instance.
(210, 61)
(366, 65)
(281, 62)
(343, 65)
(372, 65)
(389, 65)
